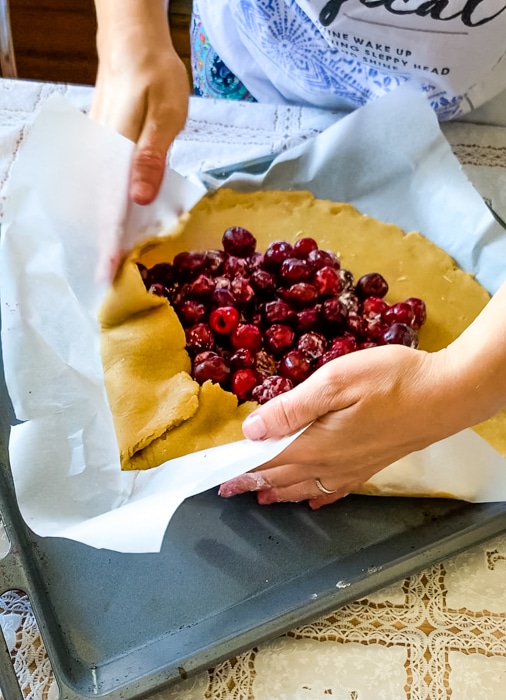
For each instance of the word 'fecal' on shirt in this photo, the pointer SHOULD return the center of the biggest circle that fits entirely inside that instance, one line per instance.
(469, 11)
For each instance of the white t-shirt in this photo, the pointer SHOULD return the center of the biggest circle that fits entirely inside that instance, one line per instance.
(341, 54)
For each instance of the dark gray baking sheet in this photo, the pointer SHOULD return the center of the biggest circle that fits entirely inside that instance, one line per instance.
(230, 574)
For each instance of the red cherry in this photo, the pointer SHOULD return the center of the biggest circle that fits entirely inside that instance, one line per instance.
(213, 369)
(321, 258)
(303, 247)
(162, 273)
(263, 283)
(300, 295)
(308, 319)
(420, 311)
(247, 335)
(400, 334)
(201, 287)
(243, 358)
(375, 329)
(243, 382)
(189, 263)
(276, 253)
(293, 270)
(191, 312)
(333, 313)
(371, 285)
(399, 313)
(224, 320)
(222, 297)
(295, 366)
(238, 241)
(356, 324)
(343, 345)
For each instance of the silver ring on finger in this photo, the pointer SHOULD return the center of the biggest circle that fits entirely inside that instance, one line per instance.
(322, 488)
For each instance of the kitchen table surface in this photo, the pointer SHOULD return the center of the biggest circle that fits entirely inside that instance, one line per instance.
(439, 633)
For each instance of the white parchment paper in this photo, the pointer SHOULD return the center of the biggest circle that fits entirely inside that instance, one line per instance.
(65, 217)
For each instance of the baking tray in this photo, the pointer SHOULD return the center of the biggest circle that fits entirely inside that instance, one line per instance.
(230, 574)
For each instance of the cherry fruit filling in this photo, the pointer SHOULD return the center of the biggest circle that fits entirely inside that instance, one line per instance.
(259, 323)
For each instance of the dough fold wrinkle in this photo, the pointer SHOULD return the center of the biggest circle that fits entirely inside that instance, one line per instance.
(159, 411)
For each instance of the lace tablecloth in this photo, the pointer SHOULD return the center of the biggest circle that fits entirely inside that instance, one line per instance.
(438, 634)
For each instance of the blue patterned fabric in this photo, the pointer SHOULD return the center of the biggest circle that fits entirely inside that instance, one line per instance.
(291, 43)
(211, 77)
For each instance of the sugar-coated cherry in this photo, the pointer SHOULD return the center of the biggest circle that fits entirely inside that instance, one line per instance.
(347, 280)
(224, 320)
(263, 283)
(312, 344)
(278, 338)
(238, 241)
(157, 288)
(199, 337)
(374, 308)
(260, 323)
(375, 328)
(327, 281)
(265, 363)
(270, 388)
(235, 266)
(213, 262)
(276, 311)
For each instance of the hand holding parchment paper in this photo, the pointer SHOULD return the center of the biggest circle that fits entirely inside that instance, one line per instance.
(64, 456)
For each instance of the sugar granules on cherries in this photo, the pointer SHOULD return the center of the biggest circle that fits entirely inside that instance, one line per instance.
(258, 323)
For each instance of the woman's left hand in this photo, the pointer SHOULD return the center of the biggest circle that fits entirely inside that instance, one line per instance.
(366, 410)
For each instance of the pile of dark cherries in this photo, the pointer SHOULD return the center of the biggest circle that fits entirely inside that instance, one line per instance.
(258, 323)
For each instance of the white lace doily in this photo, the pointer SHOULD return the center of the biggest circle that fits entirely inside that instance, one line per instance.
(435, 635)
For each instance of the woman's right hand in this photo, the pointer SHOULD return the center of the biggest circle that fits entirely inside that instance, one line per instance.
(142, 86)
